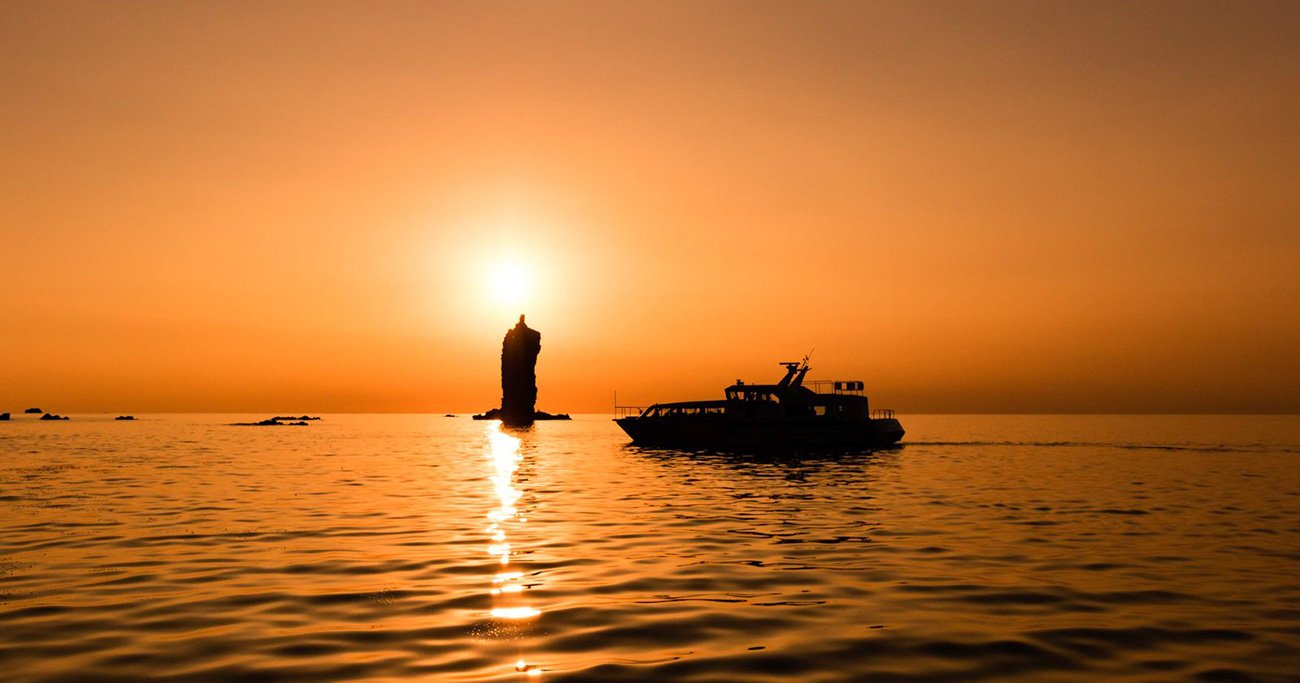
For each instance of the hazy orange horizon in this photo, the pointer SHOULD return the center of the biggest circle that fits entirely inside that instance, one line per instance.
(973, 207)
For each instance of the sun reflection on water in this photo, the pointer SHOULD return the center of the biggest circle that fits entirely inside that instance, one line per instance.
(507, 590)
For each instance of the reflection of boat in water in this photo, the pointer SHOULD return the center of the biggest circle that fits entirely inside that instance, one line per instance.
(829, 414)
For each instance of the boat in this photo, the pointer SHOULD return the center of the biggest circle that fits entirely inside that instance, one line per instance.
(789, 414)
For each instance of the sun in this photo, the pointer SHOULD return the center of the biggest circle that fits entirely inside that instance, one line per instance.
(510, 283)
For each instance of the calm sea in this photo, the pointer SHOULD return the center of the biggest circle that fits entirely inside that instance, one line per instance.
(1055, 548)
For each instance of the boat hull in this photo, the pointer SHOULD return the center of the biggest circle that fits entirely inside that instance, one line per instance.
(726, 432)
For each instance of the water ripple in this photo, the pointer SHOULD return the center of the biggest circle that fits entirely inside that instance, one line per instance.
(410, 547)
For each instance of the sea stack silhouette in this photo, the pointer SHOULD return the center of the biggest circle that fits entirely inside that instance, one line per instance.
(519, 351)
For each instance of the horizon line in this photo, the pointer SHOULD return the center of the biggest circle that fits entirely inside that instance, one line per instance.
(456, 413)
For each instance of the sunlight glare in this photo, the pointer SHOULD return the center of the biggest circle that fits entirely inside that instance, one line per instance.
(515, 612)
(511, 283)
(504, 457)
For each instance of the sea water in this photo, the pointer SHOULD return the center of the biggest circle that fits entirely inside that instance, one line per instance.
(416, 547)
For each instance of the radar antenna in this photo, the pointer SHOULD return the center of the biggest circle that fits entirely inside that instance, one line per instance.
(795, 371)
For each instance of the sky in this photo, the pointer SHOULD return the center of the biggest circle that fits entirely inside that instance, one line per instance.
(342, 206)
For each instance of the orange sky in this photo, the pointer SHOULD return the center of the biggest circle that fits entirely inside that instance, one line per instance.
(974, 207)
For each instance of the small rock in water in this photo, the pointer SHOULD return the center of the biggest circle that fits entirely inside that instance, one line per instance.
(4, 417)
(124, 417)
(33, 411)
(52, 416)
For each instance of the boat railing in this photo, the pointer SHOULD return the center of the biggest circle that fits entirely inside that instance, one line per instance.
(836, 386)
(627, 411)
(882, 414)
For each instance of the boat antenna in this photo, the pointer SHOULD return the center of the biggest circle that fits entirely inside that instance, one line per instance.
(807, 356)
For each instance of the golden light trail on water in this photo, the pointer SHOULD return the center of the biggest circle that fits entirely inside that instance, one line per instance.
(507, 590)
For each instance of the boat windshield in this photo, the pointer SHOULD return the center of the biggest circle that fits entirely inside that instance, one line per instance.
(740, 395)
(677, 410)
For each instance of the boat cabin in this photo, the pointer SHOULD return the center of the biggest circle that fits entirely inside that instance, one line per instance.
(836, 400)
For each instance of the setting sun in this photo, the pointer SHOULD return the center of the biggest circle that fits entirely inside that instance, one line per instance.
(511, 284)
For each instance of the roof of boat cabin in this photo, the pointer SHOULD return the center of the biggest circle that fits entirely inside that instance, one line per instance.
(767, 388)
(691, 404)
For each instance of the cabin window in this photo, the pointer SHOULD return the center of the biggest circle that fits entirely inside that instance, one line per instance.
(819, 411)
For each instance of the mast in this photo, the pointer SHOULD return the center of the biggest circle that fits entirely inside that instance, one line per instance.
(791, 369)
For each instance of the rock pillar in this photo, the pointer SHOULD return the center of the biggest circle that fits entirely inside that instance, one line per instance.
(519, 374)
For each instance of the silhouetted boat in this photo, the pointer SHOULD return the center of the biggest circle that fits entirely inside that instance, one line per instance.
(831, 414)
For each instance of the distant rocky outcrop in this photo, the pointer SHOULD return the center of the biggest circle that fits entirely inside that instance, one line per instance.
(33, 411)
(4, 417)
(276, 422)
(282, 418)
(124, 417)
(519, 351)
(52, 416)
(496, 414)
